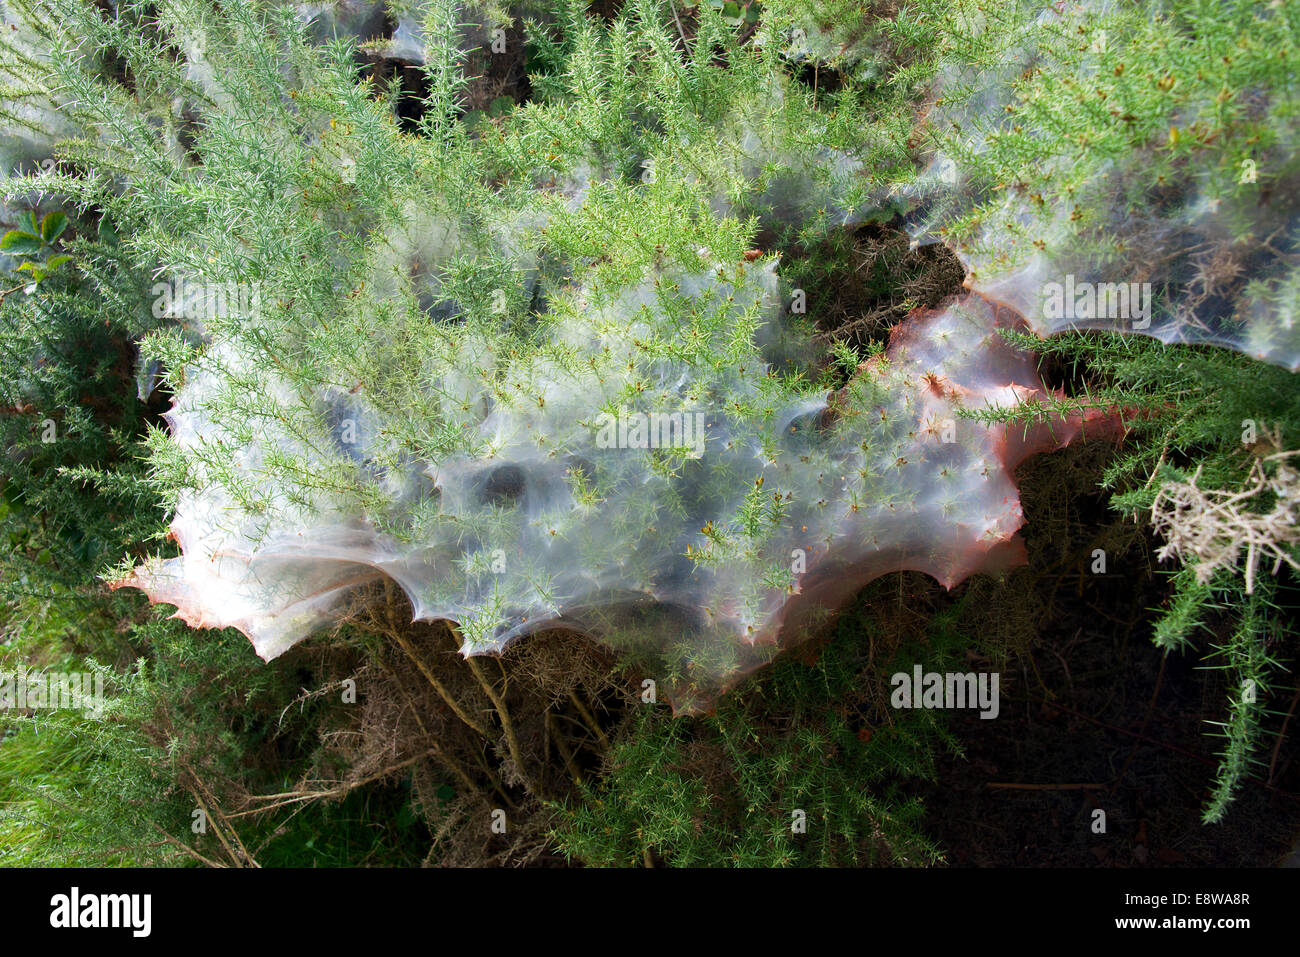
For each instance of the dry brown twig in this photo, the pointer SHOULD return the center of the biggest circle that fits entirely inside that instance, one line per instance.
(1212, 526)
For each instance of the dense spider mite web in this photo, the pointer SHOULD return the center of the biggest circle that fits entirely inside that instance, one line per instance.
(751, 534)
(1191, 236)
(692, 506)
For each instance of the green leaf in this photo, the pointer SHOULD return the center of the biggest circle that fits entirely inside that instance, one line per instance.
(31, 223)
(55, 261)
(19, 243)
(53, 225)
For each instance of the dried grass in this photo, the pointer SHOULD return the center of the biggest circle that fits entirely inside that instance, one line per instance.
(1211, 527)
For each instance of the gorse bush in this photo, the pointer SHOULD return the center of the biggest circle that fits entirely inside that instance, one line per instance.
(417, 389)
(1142, 146)
(582, 360)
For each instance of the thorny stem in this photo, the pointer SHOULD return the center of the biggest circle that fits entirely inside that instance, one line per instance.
(241, 857)
(168, 839)
(395, 633)
(492, 776)
(439, 686)
(7, 292)
(563, 748)
(503, 714)
(451, 762)
(289, 798)
(469, 783)
(590, 720)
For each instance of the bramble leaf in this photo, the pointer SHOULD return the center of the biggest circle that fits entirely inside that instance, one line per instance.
(52, 226)
(16, 242)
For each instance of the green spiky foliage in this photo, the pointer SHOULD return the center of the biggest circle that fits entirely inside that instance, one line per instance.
(188, 731)
(191, 717)
(71, 417)
(258, 193)
(806, 765)
(301, 183)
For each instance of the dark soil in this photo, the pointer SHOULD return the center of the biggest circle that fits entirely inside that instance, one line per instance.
(1146, 757)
